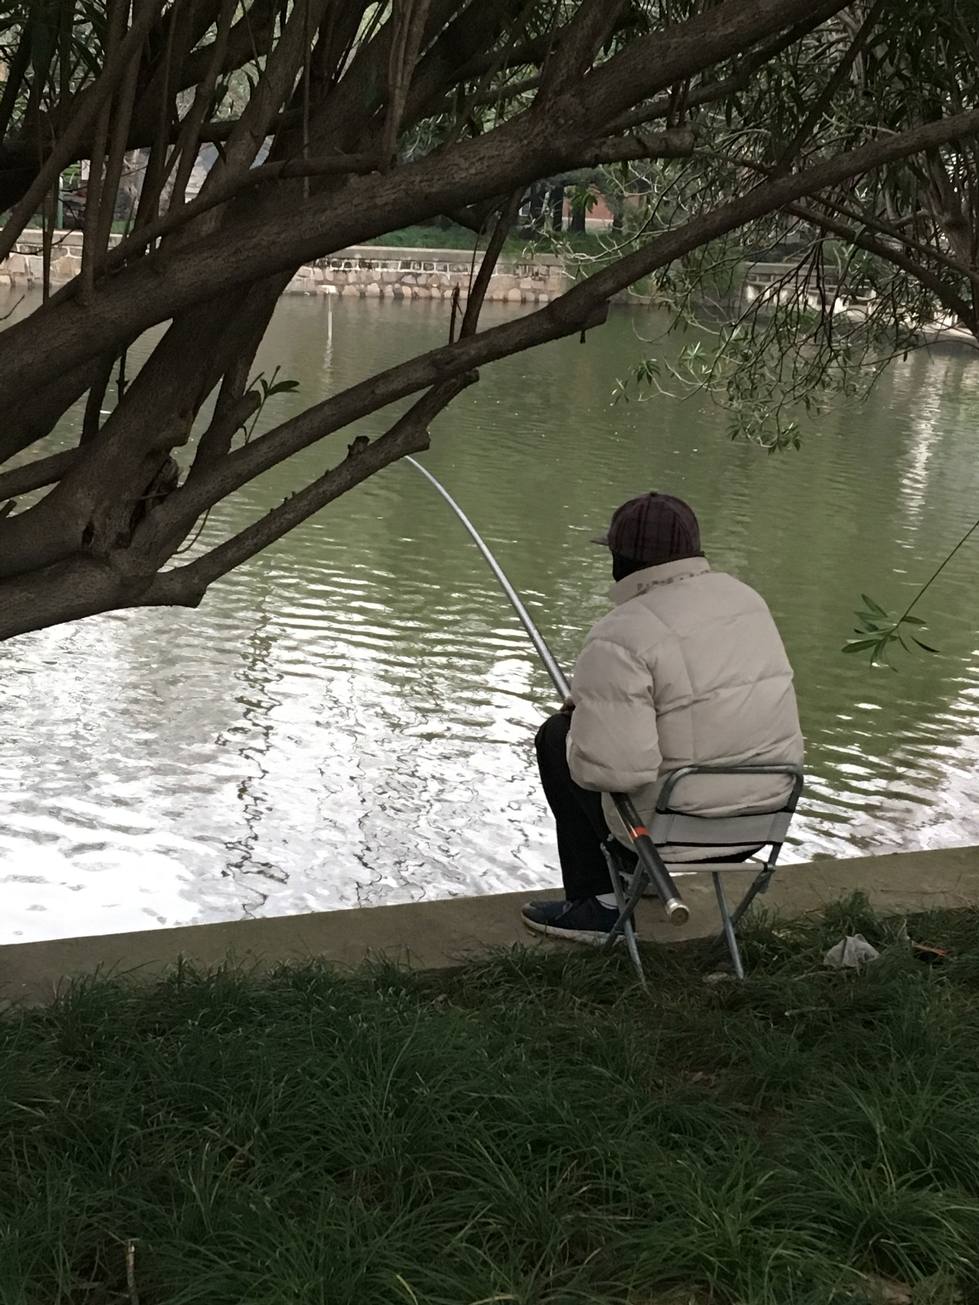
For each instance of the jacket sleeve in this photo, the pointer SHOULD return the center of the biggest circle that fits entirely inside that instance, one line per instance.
(613, 744)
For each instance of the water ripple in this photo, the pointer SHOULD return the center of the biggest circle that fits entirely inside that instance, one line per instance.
(349, 719)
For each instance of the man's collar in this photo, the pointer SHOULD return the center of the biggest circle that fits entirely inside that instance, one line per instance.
(638, 583)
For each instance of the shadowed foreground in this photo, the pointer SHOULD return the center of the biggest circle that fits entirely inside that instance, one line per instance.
(527, 1129)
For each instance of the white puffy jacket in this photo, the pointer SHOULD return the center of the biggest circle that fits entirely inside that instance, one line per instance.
(688, 668)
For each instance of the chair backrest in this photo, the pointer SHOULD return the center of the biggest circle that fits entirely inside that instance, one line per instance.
(672, 826)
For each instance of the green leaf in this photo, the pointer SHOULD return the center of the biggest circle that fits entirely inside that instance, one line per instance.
(912, 620)
(874, 607)
(926, 646)
(860, 645)
(283, 387)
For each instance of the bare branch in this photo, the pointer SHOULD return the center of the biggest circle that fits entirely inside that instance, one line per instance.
(15, 77)
(262, 248)
(330, 166)
(96, 193)
(250, 37)
(84, 115)
(713, 91)
(119, 138)
(962, 308)
(566, 314)
(499, 94)
(653, 63)
(477, 292)
(677, 143)
(35, 475)
(189, 140)
(578, 44)
(835, 81)
(157, 171)
(408, 20)
(186, 585)
(343, 84)
(228, 418)
(274, 88)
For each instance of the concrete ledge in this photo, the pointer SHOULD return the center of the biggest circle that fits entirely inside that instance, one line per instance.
(431, 934)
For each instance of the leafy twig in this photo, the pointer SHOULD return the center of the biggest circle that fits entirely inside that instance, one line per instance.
(878, 631)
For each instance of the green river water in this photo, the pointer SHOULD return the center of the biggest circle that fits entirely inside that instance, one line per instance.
(349, 719)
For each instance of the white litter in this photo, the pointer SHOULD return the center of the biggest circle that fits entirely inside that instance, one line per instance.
(851, 953)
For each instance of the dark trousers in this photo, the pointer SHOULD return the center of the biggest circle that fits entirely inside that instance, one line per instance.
(578, 814)
(581, 827)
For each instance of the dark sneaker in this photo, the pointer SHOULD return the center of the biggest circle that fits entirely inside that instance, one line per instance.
(584, 921)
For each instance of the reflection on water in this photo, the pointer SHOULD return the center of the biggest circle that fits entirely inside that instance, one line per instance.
(349, 719)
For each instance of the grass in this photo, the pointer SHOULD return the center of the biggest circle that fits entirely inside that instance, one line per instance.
(529, 1129)
(455, 237)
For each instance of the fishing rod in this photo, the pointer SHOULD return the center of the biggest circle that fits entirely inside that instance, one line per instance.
(674, 907)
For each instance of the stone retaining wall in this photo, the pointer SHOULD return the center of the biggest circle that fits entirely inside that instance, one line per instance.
(378, 271)
(364, 271)
(23, 267)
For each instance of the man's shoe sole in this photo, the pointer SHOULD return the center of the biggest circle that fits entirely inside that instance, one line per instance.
(589, 937)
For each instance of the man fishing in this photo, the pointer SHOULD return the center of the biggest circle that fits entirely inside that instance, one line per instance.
(687, 669)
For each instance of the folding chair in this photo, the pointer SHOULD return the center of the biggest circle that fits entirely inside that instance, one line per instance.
(673, 827)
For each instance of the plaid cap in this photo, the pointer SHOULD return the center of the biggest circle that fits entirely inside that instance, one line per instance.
(653, 528)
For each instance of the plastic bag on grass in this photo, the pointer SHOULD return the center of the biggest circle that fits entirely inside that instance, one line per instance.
(851, 953)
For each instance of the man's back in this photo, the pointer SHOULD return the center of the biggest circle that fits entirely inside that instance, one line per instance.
(688, 668)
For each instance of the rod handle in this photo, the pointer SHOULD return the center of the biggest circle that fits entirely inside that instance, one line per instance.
(674, 907)
(676, 911)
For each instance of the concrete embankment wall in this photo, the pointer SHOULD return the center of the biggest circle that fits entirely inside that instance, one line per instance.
(364, 271)
(377, 271)
(441, 933)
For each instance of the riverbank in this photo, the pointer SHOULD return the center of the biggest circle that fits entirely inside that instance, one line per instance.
(439, 934)
(363, 271)
(527, 1128)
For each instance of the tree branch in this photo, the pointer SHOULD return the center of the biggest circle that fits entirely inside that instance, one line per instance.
(842, 69)
(711, 92)
(329, 166)
(249, 38)
(875, 224)
(408, 25)
(947, 296)
(188, 142)
(37, 474)
(577, 46)
(477, 292)
(186, 585)
(15, 77)
(531, 145)
(118, 140)
(676, 143)
(720, 32)
(563, 316)
(84, 115)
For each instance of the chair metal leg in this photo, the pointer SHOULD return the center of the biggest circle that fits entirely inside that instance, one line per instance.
(627, 908)
(632, 947)
(728, 926)
(758, 886)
